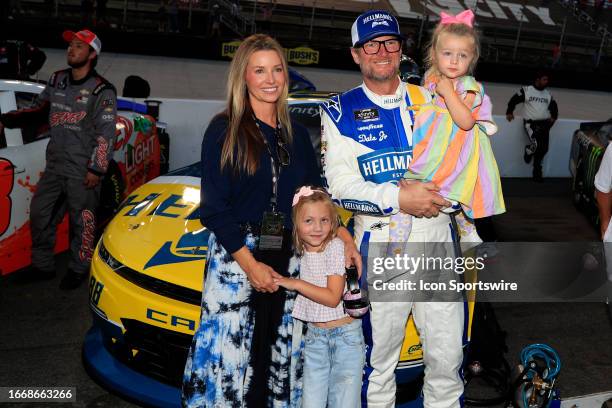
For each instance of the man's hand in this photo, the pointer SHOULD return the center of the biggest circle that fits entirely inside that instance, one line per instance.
(509, 117)
(351, 253)
(262, 277)
(444, 87)
(91, 180)
(420, 199)
(352, 256)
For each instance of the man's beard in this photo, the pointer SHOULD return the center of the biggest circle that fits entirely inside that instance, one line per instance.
(78, 64)
(372, 76)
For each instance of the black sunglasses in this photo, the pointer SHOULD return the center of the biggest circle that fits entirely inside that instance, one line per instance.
(391, 45)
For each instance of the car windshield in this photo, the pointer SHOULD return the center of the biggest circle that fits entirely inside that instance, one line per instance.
(606, 132)
(305, 113)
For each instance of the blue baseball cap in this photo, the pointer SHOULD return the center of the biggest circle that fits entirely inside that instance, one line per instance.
(372, 24)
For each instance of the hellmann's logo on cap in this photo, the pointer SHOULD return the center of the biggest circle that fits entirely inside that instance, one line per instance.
(377, 16)
(377, 23)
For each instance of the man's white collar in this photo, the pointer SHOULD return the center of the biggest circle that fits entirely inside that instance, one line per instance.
(386, 101)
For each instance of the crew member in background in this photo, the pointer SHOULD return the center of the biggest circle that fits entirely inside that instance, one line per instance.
(539, 115)
(81, 109)
(603, 195)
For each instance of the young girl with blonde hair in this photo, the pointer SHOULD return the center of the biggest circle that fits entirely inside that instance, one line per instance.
(451, 134)
(334, 352)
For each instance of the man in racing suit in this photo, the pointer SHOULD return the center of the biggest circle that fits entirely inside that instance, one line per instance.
(540, 113)
(81, 108)
(366, 148)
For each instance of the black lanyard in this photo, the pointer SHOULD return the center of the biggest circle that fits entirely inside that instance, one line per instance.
(274, 163)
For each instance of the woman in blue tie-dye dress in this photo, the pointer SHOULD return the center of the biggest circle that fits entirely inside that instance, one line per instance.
(247, 349)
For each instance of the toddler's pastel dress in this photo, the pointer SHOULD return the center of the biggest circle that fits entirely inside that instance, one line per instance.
(460, 162)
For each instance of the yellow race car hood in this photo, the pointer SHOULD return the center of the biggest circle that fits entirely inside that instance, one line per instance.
(157, 231)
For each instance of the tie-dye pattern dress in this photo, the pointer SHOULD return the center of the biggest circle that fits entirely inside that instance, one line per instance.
(218, 372)
(460, 162)
(246, 352)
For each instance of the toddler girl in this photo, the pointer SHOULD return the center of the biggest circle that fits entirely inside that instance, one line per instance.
(334, 351)
(450, 136)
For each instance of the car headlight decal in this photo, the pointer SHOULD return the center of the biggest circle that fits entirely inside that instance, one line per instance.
(150, 283)
(108, 259)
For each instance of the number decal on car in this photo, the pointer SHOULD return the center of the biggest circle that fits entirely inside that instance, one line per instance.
(7, 175)
(95, 291)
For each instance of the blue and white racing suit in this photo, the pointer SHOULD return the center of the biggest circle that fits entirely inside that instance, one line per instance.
(366, 148)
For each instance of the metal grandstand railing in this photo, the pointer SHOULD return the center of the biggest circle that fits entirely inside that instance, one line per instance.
(238, 22)
(326, 24)
(576, 10)
(145, 14)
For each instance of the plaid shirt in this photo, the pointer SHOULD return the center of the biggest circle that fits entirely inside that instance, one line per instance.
(314, 268)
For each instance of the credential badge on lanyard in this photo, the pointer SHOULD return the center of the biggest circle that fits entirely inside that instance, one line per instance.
(273, 222)
(271, 237)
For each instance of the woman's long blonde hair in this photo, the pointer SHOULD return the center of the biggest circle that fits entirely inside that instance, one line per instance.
(460, 30)
(243, 143)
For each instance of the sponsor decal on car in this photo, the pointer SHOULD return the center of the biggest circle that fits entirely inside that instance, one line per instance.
(7, 178)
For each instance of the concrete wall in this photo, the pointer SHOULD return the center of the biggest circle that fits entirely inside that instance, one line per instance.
(201, 84)
(187, 120)
(203, 79)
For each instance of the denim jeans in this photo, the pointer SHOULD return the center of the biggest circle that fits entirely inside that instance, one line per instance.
(333, 366)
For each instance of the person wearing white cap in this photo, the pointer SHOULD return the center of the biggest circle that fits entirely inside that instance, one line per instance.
(80, 106)
(366, 148)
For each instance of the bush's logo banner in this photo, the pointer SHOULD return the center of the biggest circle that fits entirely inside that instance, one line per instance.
(299, 55)
(303, 56)
(228, 49)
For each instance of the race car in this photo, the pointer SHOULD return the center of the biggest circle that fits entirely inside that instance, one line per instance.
(588, 146)
(146, 282)
(22, 161)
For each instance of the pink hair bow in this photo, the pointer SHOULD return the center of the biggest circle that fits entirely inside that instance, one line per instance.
(465, 17)
(304, 191)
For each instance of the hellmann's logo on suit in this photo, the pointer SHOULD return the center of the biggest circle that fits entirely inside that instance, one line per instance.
(382, 166)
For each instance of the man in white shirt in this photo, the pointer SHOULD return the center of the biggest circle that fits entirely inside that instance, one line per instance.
(603, 195)
(539, 115)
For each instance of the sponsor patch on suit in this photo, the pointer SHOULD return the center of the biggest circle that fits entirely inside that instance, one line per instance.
(366, 115)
